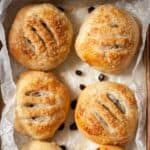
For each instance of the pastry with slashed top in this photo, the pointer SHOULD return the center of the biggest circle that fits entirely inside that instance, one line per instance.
(42, 104)
(40, 36)
(106, 113)
(108, 39)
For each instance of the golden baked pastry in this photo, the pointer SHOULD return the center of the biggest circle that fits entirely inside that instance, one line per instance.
(40, 37)
(40, 145)
(108, 39)
(108, 147)
(42, 104)
(106, 113)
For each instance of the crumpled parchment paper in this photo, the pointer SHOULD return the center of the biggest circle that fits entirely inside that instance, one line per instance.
(76, 10)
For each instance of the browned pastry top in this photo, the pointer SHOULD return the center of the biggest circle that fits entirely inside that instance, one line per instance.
(42, 104)
(40, 37)
(108, 39)
(106, 113)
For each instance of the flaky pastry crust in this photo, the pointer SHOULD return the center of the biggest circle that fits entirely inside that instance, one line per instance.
(42, 104)
(40, 37)
(108, 39)
(106, 113)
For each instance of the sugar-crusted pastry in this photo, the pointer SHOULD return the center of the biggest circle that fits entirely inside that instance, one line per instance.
(40, 145)
(42, 104)
(108, 39)
(108, 147)
(106, 113)
(40, 37)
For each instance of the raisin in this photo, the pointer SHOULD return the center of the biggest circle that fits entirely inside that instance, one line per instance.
(101, 77)
(78, 72)
(63, 147)
(82, 86)
(90, 9)
(60, 8)
(73, 104)
(61, 127)
(73, 126)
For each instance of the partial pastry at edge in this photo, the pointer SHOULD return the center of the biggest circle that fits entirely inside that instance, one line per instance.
(42, 104)
(40, 36)
(108, 39)
(109, 147)
(40, 145)
(106, 113)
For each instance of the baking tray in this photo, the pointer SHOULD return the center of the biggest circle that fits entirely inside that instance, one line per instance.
(146, 58)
